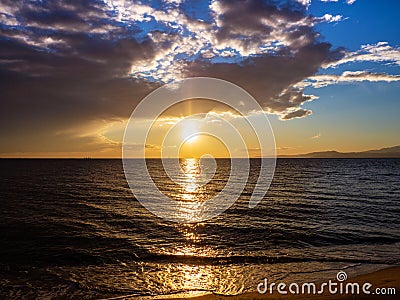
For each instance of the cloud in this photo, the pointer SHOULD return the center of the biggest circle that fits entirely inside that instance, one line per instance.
(323, 80)
(315, 137)
(299, 113)
(379, 52)
(253, 27)
(347, 1)
(330, 18)
(305, 3)
(270, 79)
(285, 148)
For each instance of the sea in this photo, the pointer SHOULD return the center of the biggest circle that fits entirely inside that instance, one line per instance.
(72, 229)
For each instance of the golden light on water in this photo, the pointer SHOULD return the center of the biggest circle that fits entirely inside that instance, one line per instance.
(191, 171)
(198, 181)
(194, 277)
(192, 193)
(191, 196)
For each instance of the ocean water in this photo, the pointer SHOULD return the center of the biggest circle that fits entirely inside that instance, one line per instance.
(72, 229)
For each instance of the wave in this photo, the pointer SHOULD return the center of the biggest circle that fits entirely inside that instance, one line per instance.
(251, 259)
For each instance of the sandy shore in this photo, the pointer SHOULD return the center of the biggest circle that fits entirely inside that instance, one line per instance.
(386, 278)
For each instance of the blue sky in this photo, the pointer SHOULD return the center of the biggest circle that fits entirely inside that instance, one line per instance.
(326, 72)
(366, 111)
(368, 22)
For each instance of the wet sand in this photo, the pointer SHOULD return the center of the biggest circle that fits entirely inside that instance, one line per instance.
(386, 278)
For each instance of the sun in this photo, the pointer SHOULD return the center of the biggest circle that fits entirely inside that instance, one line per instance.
(192, 139)
(201, 144)
(189, 128)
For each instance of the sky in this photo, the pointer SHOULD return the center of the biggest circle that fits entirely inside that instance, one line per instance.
(326, 72)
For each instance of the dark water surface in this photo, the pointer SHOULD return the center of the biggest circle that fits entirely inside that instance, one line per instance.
(72, 229)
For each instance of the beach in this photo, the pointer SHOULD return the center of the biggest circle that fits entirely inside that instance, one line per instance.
(386, 278)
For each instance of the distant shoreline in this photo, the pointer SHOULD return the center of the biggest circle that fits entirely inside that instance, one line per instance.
(392, 152)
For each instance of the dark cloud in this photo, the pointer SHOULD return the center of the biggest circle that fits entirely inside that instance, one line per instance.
(299, 113)
(252, 21)
(270, 78)
(74, 78)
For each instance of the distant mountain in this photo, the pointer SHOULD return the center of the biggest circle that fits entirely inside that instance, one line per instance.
(392, 152)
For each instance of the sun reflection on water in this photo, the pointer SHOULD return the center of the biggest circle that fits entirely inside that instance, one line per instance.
(192, 275)
(192, 171)
(197, 276)
(192, 193)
